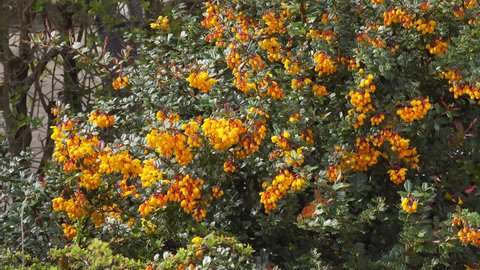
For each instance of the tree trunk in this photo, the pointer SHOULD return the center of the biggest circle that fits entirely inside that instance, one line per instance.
(14, 90)
(136, 12)
(6, 54)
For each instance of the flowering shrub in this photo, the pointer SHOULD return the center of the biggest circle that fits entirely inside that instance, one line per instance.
(291, 126)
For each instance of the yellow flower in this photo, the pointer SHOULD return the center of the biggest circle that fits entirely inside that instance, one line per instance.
(101, 120)
(69, 230)
(324, 65)
(409, 205)
(228, 166)
(279, 187)
(161, 23)
(58, 204)
(201, 81)
(439, 47)
(120, 82)
(223, 133)
(197, 241)
(319, 90)
(398, 176)
(418, 109)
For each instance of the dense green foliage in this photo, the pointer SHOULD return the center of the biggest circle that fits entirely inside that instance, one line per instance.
(320, 134)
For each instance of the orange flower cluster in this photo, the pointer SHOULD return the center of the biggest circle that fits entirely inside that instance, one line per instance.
(291, 156)
(127, 190)
(325, 34)
(361, 100)
(223, 133)
(256, 62)
(150, 174)
(353, 64)
(439, 47)
(242, 81)
(272, 46)
(167, 144)
(121, 162)
(228, 166)
(451, 75)
(274, 24)
(397, 15)
(397, 176)
(93, 161)
(274, 90)
(401, 146)
(74, 207)
(409, 205)
(460, 89)
(294, 158)
(377, 119)
(101, 119)
(120, 82)
(190, 130)
(281, 140)
(334, 173)
(466, 89)
(418, 109)
(217, 192)
(242, 32)
(364, 157)
(278, 189)
(324, 64)
(294, 118)
(201, 81)
(368, 151)
(301, 82)
(319, 90)
(245, 68)
(307, 136)
(69, 230)
(152, 203)
(425, 27)
(89, 179)
(211, 16)
(365, 38)
(171, 118)
(197, 243)
(211, 21)
(467, 234)
(187, 192)
(161, 23)
(70, 147)
(291, 67)
(82, 154)
(250, 141)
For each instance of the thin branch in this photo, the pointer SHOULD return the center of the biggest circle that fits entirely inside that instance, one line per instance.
(40, 67)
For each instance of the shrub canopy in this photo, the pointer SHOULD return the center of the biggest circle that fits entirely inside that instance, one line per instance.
(334, 134)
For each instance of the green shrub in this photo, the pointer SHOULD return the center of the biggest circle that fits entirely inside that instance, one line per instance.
(291, 126)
